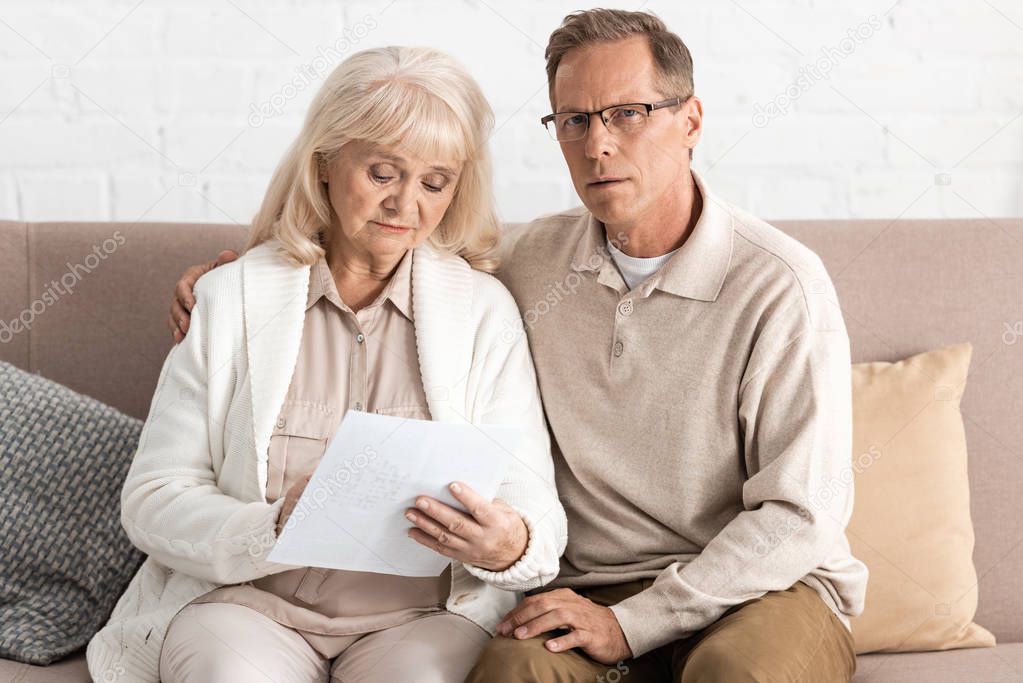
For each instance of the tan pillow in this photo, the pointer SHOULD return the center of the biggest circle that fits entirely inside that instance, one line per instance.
(911, 520)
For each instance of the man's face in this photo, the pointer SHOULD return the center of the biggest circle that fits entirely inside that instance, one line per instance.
(622, 179)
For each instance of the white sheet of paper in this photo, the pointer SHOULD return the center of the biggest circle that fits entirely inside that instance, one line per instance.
(352, 512)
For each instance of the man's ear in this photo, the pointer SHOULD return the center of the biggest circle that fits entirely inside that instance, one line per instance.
(693, 111)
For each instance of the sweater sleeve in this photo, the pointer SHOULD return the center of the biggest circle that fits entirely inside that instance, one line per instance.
(511, 397)
(171, 506)
(795, 417)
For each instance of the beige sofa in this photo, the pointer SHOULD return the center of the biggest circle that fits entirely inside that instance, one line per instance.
(905, 286)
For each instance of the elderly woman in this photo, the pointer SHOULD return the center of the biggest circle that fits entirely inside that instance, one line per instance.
(364, 287)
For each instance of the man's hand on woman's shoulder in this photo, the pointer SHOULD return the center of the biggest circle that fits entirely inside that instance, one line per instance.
(183, 299)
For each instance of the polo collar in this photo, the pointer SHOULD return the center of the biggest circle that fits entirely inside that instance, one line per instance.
(696, 271)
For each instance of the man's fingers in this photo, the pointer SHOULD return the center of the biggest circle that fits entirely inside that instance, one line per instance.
(527, 610)
(180, 316)
(226, 256)
(172, 321)
(183, 289)
(184, 300)
(577, 638)
(548, 621)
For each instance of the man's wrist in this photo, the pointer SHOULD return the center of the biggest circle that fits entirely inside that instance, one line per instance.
(626, 649)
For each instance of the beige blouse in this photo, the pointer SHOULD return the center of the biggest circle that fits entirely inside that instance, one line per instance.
(347, 361)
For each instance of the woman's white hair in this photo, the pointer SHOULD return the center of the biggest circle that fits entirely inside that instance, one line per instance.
(415, 99)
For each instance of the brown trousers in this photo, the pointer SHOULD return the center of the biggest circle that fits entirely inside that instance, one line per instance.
(786, 635)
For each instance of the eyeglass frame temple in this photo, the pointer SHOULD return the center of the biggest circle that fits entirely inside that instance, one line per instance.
(670, 102)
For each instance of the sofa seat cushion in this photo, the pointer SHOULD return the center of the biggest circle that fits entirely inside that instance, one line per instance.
(70, 670)
(1002, 663)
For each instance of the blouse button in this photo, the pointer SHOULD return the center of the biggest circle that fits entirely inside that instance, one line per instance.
(281, 423)
(360, 338)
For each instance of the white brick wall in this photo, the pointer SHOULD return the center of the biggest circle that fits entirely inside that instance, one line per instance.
(133, 110)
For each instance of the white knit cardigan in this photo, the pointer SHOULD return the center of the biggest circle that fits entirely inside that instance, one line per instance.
(194, 498)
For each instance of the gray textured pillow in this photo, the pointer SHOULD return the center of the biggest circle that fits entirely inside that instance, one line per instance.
(65, 559)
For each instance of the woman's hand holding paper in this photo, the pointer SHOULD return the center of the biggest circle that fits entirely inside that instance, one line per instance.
(492, 535)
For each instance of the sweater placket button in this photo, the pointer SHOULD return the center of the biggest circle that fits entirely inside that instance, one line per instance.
(625, 308)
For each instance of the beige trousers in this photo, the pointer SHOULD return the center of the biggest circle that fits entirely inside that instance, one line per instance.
(788, 635)
(224, 642)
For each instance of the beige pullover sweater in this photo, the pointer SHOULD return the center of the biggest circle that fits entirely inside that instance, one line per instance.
(702, 420)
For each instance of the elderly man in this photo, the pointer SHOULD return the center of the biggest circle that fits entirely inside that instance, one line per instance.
(694, 368)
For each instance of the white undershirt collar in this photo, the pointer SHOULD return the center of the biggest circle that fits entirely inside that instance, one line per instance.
(636, 269)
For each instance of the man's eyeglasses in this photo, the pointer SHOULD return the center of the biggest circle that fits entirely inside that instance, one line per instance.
(620, 119)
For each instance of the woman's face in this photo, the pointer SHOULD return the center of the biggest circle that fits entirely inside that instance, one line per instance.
(385, 200)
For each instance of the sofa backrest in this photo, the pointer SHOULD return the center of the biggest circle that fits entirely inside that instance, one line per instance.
(909, 286)
(94, 298)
